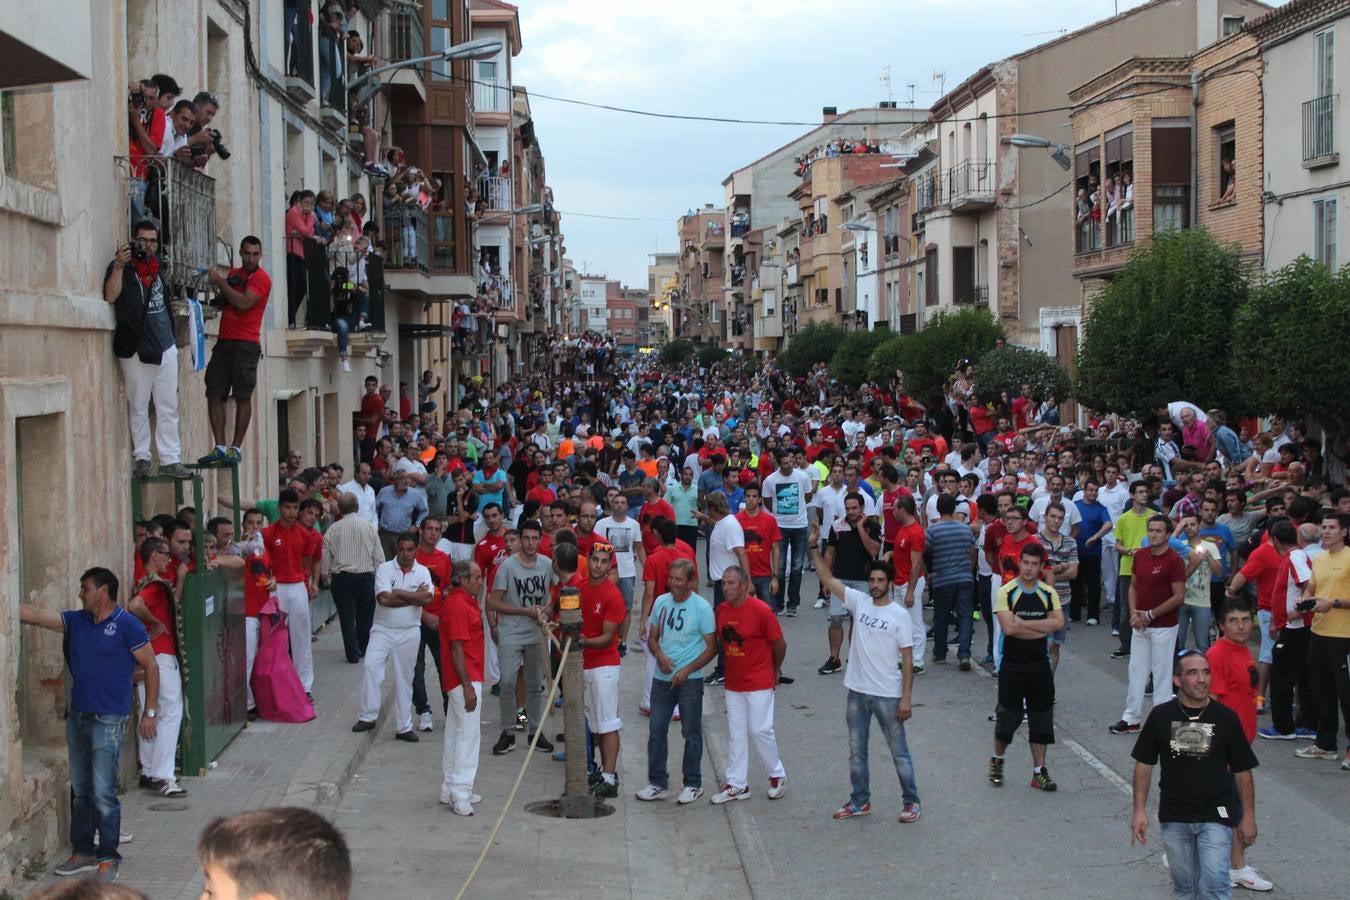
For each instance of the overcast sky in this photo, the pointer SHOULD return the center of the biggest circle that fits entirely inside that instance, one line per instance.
(759, 59)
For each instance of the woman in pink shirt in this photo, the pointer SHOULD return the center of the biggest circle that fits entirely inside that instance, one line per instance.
(300, 222)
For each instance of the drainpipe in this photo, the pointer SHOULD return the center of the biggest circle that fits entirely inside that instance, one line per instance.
(1195, 147)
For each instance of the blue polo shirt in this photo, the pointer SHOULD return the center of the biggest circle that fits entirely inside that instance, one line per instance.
(1094, 516)
(683, 627)
(498, 496)
(99, 655)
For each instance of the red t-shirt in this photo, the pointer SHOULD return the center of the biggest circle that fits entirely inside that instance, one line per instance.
(246, 324)
(1152, 576)
(287, 547)
(980, 420)
(257, 571)
(461, 620)
(657, 569)
(683, 549)
(585, 542)
(372, 411)
(1263, 565)
(600, 603)
(541, 493)
(993, 536)
(154, 129)
(438, 564)
(1233, 681)
(761, 533)
(659, 507)
(908, 539)
(1006, 439)
(1019, 411)
(749, 655)
(1010, 554)
(158, 600)
(489, 553)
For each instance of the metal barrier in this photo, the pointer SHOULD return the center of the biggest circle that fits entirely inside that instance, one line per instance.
(182, 201)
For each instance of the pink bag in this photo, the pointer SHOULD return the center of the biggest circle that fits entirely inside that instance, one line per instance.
(277, 692)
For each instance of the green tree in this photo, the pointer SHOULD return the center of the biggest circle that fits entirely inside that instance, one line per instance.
(813, 344)
(709, 354)
(1291, 344)
(849, 363)
(1008, 368)
(932, 352)
(886, 359)
(1162, 330)
(677, 351)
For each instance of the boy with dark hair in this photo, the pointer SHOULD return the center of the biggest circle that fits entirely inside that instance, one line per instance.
(285, 853)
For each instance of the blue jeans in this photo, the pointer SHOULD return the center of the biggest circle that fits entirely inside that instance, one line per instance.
(861, 709)
(689, 698)
(626, 591)
(762, 588)
(794, 541)
(344, 324)
(94, 742)
(1198, 619)
(961, 597)
(1198, 857)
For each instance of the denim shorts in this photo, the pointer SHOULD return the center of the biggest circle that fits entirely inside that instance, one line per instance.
(837, 608)
(1267, 642)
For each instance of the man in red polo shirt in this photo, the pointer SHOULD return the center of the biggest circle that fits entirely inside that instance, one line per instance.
(762, 539)
(907, 557)
(157, 603)
(1157, 583)
(461, 644)
(653, 505)
(437, 562)
(489, 553)
(602, 609)
(288, 543)
(233, 369)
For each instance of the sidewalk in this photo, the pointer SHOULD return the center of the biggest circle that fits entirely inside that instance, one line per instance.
(268, 764)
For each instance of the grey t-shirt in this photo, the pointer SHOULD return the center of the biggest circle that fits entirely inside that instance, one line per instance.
(523, 586)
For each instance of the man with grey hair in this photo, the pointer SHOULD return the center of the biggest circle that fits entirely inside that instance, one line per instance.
(351, 554)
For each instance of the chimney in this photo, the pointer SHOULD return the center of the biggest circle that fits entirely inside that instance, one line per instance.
(829, 113)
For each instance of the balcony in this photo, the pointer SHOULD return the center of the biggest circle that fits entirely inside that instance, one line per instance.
(183, 201)
(929, 192)
(494, 193)
(1087, 236)
(1319, 132)
(972, 295)
(329, 298)
(498, 290)
(971, 184)
(406, 41)
(740, 223)
(792, 273)
(1120, 227)
(299, 55)
(490, 97)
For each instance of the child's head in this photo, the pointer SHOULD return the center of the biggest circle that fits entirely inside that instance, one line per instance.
(1235, 621)
(284, 853)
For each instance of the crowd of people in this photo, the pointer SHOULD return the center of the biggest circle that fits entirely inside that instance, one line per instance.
(833, 148)
(454, 537)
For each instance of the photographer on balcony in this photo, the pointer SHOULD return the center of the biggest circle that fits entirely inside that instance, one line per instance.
(203, 140)
(143, 343)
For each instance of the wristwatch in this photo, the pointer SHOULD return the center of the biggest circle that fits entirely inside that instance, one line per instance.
(149, 713)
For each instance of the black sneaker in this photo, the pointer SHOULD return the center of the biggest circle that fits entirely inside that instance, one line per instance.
(1123, 727)
(1042, 781)
(604, 790)
(716, 678)
(1148, 688)
(1120, 654)
(505, 744)
(963, 664)
(408, 736)
(522, 720)
(544, 745)
(995, 771)
(151, 784)
(831, 666)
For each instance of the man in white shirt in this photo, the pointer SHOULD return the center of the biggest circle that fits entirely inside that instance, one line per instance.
(176, 128)
(402, 588)
(1072, 517)
(625, 535)
(879, 679)
(787, 494)
(948, 482)
(364, 493)
(417, 473)
(1115, 496)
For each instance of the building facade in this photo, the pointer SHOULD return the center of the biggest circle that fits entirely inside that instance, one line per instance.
(698, 306)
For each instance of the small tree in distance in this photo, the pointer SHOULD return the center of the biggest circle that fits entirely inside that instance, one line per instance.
(1008, 368)
(813, 344)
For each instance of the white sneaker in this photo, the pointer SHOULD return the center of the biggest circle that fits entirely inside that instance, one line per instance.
(462, 809)
(820, 603)
(777, 787)
(729, 793)
(652, 792)
(346, 365)
(475, 799)
(1249, 878)
(689, 795)
(1092, 621)
(424, 721)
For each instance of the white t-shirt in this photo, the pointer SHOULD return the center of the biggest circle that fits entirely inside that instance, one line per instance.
(984, 570)
(1071, 514)
(624, 536)
(879, 634)
(726, 536)
(786, 496)
(391, 577)
(930, 511)
(365, 499)
(830, 502)
(1300, 570)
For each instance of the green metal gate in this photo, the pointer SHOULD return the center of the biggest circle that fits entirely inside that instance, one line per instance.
(214, 694)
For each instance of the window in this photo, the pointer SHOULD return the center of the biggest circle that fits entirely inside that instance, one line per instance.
(891, 239)
(1324, 231)
(1226, 143)
(1170, 209)
(1325, 63)
(822, 206)
(440, 41)
(9, 160)
(1232, 24)
(485, 91)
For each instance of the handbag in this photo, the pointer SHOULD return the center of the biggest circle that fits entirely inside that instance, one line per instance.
(277, 692)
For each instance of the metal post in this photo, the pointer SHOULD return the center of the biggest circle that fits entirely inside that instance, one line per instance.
(576, 801)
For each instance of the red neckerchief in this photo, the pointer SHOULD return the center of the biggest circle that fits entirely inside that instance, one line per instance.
(147, 271)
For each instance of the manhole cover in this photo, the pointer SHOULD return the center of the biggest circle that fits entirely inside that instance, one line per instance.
(554, 809)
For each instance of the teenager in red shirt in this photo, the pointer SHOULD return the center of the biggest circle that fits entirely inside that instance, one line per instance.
(653, 505)
(233, 369)
(602, 609)
(157, 604)
(288, 544)
(762, 539)
(907, 545)
(460, 627)
(437, 562)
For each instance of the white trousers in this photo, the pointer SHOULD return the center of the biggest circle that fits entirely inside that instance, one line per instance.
(250, 654)
(1151, 652)
(994, 584)
(919, 629)
(294, 602)
(157, 754)
(459, 753)
(386, 644)
(750, 717)
(492, 666)
(159, 383)
(1110, 572)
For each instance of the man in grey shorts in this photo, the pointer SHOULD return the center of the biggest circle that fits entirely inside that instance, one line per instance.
(520, 592)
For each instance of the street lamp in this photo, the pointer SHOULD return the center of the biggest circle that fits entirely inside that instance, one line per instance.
(528, 209)
(483, 48)
(1058, 152)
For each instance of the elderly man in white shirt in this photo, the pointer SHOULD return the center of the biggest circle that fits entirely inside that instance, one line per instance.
(365, 494)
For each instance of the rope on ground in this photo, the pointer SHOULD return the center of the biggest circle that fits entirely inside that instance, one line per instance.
(511, 798)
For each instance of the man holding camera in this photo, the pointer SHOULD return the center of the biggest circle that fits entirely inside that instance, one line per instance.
(143, 343)
(203, 140)
(233, 369)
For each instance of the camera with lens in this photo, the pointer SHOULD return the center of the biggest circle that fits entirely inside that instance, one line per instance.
(138, 253)
(217, 145)
(236, 281)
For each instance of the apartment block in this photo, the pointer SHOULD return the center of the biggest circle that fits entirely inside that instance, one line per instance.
(697, 306)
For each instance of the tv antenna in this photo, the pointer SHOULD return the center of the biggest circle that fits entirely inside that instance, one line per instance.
(940, 76)
(886, 83)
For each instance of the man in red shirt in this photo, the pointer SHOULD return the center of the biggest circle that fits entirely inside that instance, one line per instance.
(1262, 568)
(259, 586)
(762, 539)
(891, 490)
(288, 543)
(460, 628)
(233, 369)
(372, 408)
(753, 647)
(602, 609)
(585, 530)
(437, 562)
(1021, 409)
(653, 505)
(907, 557)
(489, 553)
(157, 603)
(1157, 582)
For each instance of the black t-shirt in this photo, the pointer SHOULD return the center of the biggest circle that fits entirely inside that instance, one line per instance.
(1199, 759)
(850, 556)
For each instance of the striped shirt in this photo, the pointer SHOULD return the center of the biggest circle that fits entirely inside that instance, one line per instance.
(352, 545)
(949, 543)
